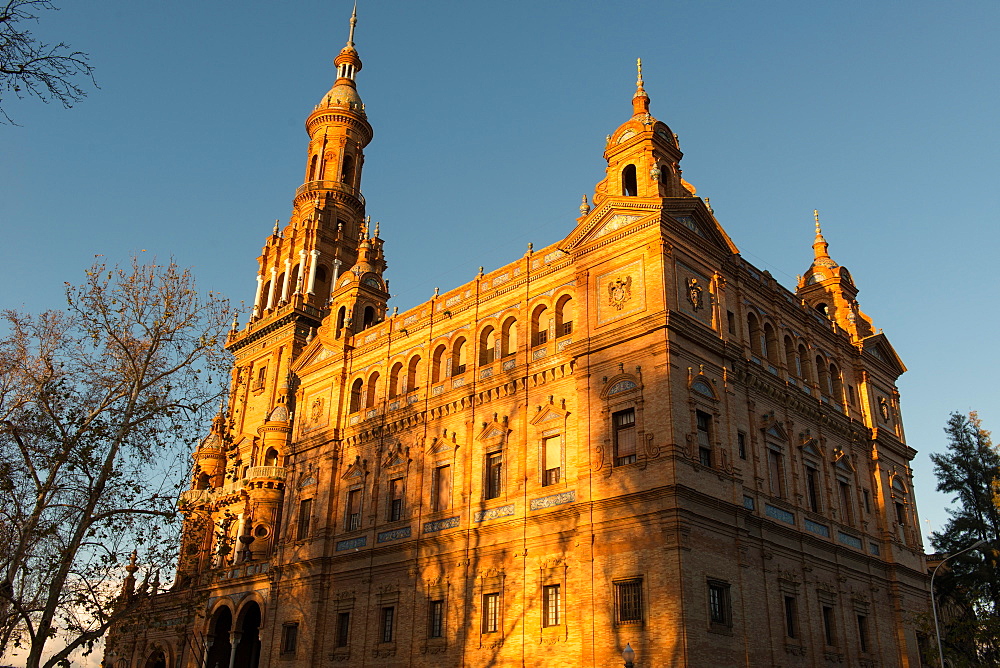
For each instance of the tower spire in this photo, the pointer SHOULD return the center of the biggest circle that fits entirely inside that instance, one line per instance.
(640, 102)
(820, 246)
(354, 22)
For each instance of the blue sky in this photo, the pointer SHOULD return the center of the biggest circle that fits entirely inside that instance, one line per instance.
(489, 125)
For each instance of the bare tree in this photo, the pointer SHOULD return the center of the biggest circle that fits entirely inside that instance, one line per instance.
(29, 67)
(98, 406)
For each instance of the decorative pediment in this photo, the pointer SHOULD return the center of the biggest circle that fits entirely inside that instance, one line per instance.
(898, 484)
(550, 414)
(703, 385)
(698, 218)
(811, 446)
(878, 346)
(623, 383)
(609, 219)
(773, 430)
(396, 456)
(842, 461)
(493, 431)
(357, 470)
(441, 444)
(313, 352)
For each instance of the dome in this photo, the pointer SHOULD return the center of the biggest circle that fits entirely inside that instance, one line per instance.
(342, 95)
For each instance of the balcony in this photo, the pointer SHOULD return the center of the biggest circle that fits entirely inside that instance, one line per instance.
(336, 186)
(265, 477)
(196, 497)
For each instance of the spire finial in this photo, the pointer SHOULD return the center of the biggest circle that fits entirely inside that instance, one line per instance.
(275, 227)
(376, 228)
(816, 216)
(640, 101)
(354, 22)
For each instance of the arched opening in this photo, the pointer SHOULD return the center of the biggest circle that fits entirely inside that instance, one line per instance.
(630, 187)
(218, 638)
(836, 384)
(264, 294)
(823, 375)
(803, 360)
(204, 481)
(247, 652)
(322, 287)
(312, 168)
(458, 356)
(487, 346)
(437, 364)
(756, 338)
(156, 660)
(508, 337)
(413, 374)
(368, 319)
(279, 288)
(770, 343)
(564, 316)
(395, 376)
(293, 281)
(790, 362)
(824, 309)
(370, 393)
(540, 320)
(341, 316)
(347, 176)
(271, 457)
(355, 404)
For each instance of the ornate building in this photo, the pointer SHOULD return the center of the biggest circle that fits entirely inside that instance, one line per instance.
(630, 436)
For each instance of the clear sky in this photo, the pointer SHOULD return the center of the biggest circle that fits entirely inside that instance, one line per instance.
(490, 120)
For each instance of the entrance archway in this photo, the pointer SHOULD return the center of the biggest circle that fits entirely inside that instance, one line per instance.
(248, 646)
(156, 660)
(218, 639)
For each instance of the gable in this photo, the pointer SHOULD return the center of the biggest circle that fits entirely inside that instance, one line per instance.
(878, 346)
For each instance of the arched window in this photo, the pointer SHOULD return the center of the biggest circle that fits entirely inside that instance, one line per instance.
(347, 176)
(369, 317)
(770, 343)
(790, 357)
(413, 374)
(370, 390)
(395, 376)
(271, 457)
(803, 360)
(341, 316)
(508, 337)
(312, 168)
(204, 481)
(322, 287)
(836, 384)
(630, 187)
(458, 356)
(823, 375)
(756, 336)
(356, 396)
(279, 288)
(540, 320)
(564, 316)
(487, 346)
(437, 364)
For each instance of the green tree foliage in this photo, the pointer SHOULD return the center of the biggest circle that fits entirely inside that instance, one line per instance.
(98, 406)
(29, 67)
(969, 591)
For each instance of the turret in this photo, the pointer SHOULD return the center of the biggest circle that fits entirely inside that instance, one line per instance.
(829, 288)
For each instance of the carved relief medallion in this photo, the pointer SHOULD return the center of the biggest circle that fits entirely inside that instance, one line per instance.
(619, 292)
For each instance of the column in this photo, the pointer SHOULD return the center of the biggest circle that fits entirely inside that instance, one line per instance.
(234, 641)
(288, 279)
(270, 293)
(302, 271)
(256, 300)
(336, 274)
(312, 271)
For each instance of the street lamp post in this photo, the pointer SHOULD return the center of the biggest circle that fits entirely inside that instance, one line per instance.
(629, 656)
(937, 629)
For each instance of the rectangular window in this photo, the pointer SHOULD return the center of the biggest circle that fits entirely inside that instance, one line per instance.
(628, 601)
(491, 613)
(261, 378)
(719, 609)
(791, 620)
(551, 460)
(776, 471)
(567, 328)
(289, 638)
(863, 632)
(353, 510)
(388, 618)
(900, 513)
(494, 474)
(624, 433)
(852, 395)
(305, 514)
(442, 488)
(741, 444)
(846, 508)
(541, 337)
(343, 628)
(868, 500)
(435, 619)
(812, 488)
(704, 421)
(395, 499)
(829, 626)
(551, 605)
(731, 321)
